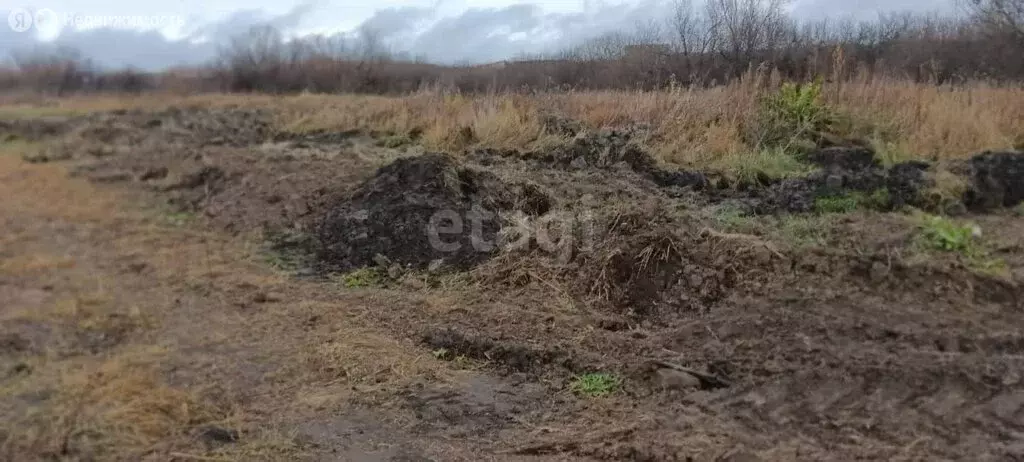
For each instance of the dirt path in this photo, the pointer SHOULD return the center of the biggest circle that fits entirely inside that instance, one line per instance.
(124, 335)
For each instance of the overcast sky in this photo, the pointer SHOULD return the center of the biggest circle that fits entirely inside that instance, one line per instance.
(155, 35)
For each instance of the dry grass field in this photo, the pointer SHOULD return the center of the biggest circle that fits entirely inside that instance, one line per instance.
(187, 278)
(903, 120)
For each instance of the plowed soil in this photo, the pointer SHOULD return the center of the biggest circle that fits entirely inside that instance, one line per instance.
(191, 285)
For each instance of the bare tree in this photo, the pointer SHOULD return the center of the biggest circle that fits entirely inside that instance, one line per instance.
(371, 45)
(746, 28)
(254, 60)
(999, 16)
(54, 70)
(693, 37)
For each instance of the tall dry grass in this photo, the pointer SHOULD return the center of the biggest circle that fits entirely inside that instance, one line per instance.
(687, 126)
(900, 119)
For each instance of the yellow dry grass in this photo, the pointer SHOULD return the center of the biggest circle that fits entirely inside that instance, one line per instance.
(93, 381)
(688, 126)
(112, 409)
(68, 403)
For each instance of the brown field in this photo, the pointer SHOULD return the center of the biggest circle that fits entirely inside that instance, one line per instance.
(201, 278)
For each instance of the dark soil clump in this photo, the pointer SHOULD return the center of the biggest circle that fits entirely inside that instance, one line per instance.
(419, 210)
(607, 148)
(840, 158)
(612, 150)
(905, 182)
(997, 180)
(842, 171)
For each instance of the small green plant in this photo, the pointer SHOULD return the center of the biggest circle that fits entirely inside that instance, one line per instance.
(763, 165)
(595, 384)
(363, 277)
(853, 200)
(938, 233)
(836, 204)
(792, 115)
(732, 218)
(1019, 210)
(441, 353)
(878, 199)
(943, 234)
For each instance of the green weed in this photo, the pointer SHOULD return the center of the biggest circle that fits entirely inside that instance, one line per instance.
(945, 235)
(852, 201)
(595, 384)
(878, 199)
(732, 218)
(363, 277)
(441, 354)
(836, 204)
(939, 233)
(763, 165)
(792, 116)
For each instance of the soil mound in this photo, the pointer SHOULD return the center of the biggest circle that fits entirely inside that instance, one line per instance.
(994, 180)
(844, 158)
(997, 180)
(416, 211)
(601, 149)
(843, 170)
(904, 183)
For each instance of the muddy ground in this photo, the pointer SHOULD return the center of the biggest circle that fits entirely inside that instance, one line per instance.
(744, 321)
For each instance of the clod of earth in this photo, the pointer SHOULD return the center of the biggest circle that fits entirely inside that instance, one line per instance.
(997, 180)
(993, 180)
(418, 210)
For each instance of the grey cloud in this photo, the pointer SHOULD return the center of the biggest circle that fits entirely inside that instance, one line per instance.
(475, 35)
(491, 34)
(151, 50)
(867, 9)
(140, 49)
(241, 21)
(398, 20)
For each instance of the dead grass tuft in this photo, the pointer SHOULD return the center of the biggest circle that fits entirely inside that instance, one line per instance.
(118, 409)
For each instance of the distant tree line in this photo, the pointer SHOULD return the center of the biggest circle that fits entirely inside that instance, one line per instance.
(696, 46)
